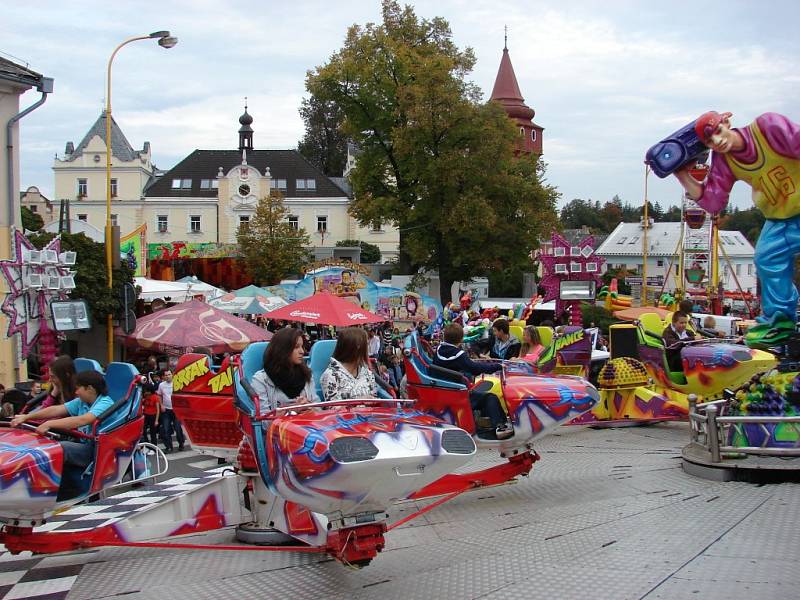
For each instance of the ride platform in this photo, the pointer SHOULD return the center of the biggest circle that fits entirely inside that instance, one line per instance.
(605, 514)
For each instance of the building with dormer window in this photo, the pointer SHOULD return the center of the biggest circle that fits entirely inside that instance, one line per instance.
(195, 208)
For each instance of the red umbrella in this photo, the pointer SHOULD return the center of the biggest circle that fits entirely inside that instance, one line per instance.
(325, 309)
(195, 324)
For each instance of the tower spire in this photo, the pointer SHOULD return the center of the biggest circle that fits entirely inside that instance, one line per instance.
(505, 38)
(245, 131)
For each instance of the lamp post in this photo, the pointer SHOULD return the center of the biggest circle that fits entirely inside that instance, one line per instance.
(165, 40)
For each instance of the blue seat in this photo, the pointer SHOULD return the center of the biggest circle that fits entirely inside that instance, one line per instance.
(319, 359)
(87, 364)
(119, 377)
(252, 361)
(416, 359)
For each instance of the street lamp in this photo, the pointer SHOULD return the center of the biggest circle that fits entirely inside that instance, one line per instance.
(165, 40)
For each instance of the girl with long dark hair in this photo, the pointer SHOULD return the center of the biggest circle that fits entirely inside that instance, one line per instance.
(285, 378)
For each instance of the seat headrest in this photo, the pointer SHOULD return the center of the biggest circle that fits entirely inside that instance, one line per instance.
(119, 377)
(253, 358)
(87, 364)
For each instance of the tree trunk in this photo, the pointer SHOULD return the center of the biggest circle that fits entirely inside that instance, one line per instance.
(446, 276)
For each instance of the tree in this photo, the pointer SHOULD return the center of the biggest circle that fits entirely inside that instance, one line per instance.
(31, 221)
(434, 159)
(749, 222)
(370, 253)
(324, 144)
(673, 215)
(579, 213)
(91, 282)
(271, 247)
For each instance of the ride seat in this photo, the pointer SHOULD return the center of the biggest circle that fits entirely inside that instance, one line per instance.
(319, 358)
(516, 331)
(652, 323)
(87, 364)
(545, 335)
(251, 361)
(127, 401)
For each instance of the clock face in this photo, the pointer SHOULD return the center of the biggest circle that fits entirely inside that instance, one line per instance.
(244, 190)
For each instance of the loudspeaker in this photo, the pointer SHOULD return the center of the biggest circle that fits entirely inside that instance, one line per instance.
(623, 341)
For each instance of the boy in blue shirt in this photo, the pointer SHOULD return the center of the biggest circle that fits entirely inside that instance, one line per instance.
(79, 413)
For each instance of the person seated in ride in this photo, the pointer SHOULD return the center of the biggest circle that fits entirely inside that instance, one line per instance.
(709, 328)
(505, 345)
(531, 345)
(285, 379)
(450, 355)
(79, 413)
(675, 336)
(348, 375)
(62, 381)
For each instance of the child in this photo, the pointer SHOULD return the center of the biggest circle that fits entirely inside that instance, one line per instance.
(151, 407)
(79, 413)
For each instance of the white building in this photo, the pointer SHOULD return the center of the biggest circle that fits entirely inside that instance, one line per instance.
(623, 249)
(207, 195)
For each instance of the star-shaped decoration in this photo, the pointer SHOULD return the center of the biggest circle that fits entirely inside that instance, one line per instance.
(28, 308)
(565, 262)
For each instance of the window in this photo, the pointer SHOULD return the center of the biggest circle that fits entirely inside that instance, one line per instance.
(622, 240)
(322, 224)
(522, 131)
(634, 239)
(311, 184)
(376, 228)
(574, 251)
(113, 188)
(660, 263)
(114, 220)
(591, 267)
(162, 223)
(209, 184)
(300, 184)
(533, 135)
(575, 267)
(559, 251)
(294, 221)
(750, 269)
(194, 224)
(34, 208)
(181, 184)
(739, 269)
(244, 220)
(279, 184)
(560, 268)
(83, 187)
(82, 218)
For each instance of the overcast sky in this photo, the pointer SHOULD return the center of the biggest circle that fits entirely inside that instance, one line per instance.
(606, 79)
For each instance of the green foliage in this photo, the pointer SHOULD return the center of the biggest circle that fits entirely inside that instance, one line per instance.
(91, 282)
(324, 144)
(434, 159)
(597, 314)
(31, 221)
(370, 253)
(749, 222)
(270, 246)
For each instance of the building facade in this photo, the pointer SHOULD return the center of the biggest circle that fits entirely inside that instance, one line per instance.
(623, 249)
(208, 195)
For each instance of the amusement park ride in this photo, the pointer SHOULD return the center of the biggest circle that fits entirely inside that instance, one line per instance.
(321, 478)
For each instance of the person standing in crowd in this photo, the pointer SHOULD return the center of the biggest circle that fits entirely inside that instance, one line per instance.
(348, 375)
(151, 408)
(373, 344)
(169, 420)
(285, 379)
(386, 334)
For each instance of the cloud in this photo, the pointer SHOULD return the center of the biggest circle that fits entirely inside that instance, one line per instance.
(607, 80)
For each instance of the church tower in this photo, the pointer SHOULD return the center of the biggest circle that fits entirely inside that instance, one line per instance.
(506, 92)
(245, 131)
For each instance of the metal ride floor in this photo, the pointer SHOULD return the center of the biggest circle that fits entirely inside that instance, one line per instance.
(605, 514)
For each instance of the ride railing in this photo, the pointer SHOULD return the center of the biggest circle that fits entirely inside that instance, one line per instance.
(711, 428)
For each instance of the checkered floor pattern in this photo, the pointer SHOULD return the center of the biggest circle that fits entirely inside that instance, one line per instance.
(29, 577)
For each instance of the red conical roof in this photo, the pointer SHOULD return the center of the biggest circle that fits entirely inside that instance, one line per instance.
(506, 91)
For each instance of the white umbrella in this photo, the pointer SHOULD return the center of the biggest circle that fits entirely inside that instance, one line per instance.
(153, 289)
(201, 287)
(247, 305)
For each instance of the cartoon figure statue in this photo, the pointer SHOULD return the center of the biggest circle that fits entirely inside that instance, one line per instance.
(766, 155)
